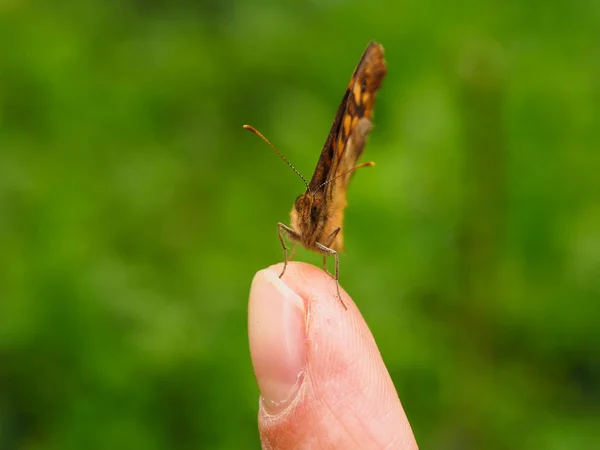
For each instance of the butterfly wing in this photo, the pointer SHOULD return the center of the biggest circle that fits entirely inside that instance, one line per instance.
(356, 122)
(347, 138)
(318, 214)
(340, 153)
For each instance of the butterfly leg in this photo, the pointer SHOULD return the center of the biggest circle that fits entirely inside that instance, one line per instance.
(282, 228)
(328, 243)
(332, 252)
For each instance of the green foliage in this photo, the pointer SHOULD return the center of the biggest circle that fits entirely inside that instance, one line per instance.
(134, 211)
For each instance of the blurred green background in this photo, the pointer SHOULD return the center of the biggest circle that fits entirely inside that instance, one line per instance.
(134, 211)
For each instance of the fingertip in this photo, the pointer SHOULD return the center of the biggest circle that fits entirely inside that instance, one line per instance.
(267, 283)
(277, 335)
(308, 354)
(314, 285)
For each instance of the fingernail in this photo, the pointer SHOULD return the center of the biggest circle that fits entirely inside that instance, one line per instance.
(277, 334)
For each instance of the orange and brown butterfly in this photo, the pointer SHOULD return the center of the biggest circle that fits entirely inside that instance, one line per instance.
(317, 215)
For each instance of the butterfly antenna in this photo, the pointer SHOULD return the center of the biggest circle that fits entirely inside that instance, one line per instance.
(260, 135)
(367, 164)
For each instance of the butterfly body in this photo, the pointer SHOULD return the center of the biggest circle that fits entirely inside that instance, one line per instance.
(317, 215)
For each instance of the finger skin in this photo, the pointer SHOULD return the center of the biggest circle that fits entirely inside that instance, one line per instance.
(346, 398)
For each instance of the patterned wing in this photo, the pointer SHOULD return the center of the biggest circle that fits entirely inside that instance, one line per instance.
(357, 104)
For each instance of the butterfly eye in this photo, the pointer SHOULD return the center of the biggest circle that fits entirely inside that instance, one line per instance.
(298, 202)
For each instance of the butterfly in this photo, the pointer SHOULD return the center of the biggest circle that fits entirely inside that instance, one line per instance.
(317, 215)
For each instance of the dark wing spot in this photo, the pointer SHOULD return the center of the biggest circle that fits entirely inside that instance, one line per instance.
(360, 111)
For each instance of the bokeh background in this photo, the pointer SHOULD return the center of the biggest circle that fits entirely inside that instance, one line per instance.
(134, 212)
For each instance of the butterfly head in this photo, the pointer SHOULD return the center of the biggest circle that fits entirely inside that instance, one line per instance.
(308, 209)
